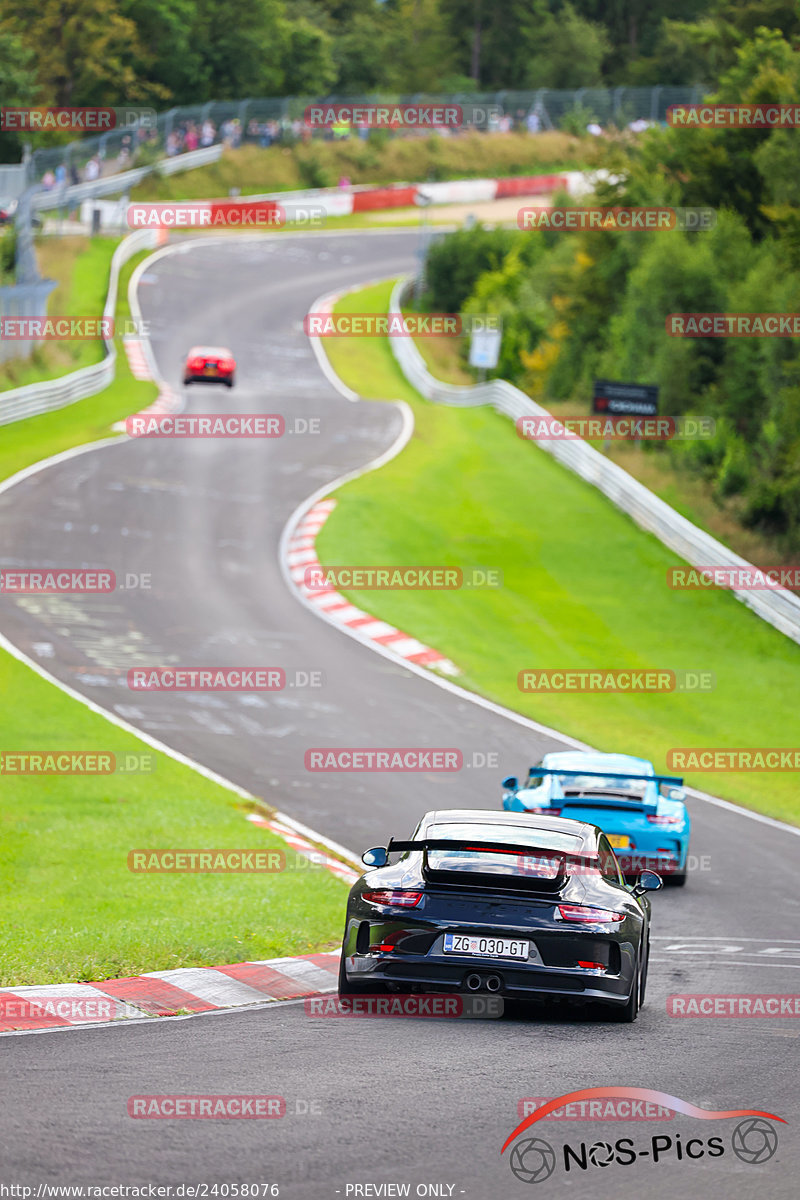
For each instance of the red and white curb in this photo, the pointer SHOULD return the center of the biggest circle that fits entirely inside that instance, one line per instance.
(167, 400)
(301, 555)
(167, 993)
(137, 358)
(301, 846)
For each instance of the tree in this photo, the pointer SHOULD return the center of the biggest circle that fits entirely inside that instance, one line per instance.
(309, 68)
(19, 87)
(83, 48)
(569, 51)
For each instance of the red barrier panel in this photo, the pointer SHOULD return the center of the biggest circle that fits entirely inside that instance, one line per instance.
(530, 185)
(388, 197)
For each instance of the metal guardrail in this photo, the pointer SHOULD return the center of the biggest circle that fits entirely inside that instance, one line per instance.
(779, 607)
(112, 185)
(37, 398)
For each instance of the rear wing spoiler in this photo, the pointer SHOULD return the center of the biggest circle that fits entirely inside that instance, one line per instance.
(542, 771)
(473, 844)
(562, 858)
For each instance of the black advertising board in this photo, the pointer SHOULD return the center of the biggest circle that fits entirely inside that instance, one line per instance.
(624, 399)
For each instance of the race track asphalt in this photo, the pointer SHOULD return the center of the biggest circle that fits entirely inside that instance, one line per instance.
(417, 1102)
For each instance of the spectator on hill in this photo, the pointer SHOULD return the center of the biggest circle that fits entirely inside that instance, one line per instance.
(207, 133)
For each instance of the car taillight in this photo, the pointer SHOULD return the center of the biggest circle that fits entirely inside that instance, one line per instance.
(196, 364)
(588, 916)
(393, 898)
(591, 966)
(226, 364)
(664, 820)
(550, 812)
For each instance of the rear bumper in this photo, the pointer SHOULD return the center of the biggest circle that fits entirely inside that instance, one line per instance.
(520, 980)
(632, 862)
(222, 377)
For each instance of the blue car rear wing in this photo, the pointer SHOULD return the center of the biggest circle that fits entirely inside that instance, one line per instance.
(541, 771)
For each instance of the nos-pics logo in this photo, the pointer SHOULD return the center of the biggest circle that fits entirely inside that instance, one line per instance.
(754, 1139)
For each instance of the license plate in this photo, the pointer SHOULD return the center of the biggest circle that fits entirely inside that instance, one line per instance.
(618, 841)
(485, 947)
(210, 369)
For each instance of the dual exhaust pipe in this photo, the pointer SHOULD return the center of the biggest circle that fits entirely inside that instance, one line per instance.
(475, 982)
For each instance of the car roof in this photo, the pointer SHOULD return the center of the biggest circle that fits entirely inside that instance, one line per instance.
(491, 816)
(221, 350)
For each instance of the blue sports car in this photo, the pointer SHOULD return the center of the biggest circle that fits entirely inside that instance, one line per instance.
(643, 814)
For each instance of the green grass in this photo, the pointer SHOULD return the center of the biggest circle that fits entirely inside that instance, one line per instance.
(71, 909)
(80, 267)
(25, 442)
(583, 587)
(322, 164)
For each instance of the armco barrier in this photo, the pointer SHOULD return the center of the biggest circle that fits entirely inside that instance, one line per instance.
(114, 185)
(38, 398)
(779, 607)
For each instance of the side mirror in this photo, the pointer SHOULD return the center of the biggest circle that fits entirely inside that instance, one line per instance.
(649, 881)
(377, 857)
(511, 783)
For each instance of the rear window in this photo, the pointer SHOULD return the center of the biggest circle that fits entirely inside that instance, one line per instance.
(544, 861)
(515, 835)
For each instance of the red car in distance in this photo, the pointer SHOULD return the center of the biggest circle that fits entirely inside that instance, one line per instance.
(209, 364)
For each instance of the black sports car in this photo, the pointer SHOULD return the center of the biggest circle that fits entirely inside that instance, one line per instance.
(524, 906)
